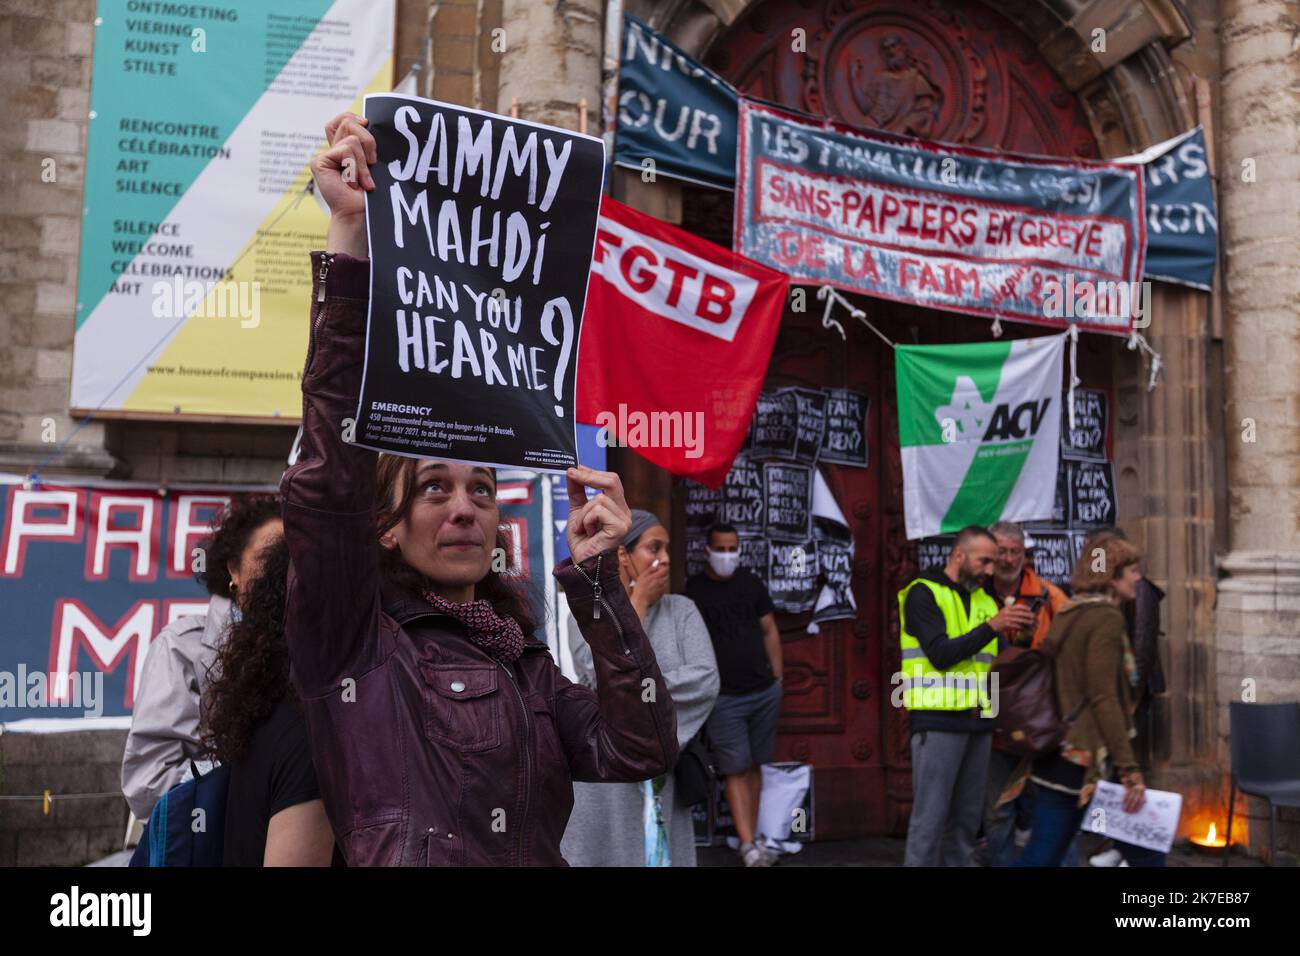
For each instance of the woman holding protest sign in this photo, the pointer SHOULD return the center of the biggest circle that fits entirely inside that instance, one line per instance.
(1091, 680)
(442, 733)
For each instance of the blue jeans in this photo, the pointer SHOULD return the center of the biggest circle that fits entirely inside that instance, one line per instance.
(1057, 817)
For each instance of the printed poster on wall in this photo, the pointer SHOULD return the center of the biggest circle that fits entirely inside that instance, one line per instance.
(945, 227)
(194, 285)
(482, 229)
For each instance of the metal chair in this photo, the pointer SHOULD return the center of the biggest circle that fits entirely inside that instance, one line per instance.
(1265, 761)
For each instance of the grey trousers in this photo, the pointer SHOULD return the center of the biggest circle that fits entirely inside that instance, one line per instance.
(949, 775)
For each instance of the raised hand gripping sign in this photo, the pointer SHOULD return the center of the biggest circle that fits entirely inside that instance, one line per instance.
(481, 234)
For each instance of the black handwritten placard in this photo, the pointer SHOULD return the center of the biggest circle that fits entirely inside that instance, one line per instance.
(703, 505)
(835, 562)
(792, 575)
(1054, 554)
(932, 553)
(1088, 436)
(481, 235)
(696, 541)
(1092, 493)
(845, 439)
(753, 554)
(774, 432)
(812, 423)
(743, 501)
(787, 491)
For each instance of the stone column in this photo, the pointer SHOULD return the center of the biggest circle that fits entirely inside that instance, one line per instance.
(1258, 615)
(552, 61)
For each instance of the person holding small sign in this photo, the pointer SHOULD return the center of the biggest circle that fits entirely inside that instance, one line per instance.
(442, 733)
(1092, 682)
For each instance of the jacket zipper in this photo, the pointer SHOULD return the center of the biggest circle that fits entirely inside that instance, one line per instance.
(598, 601)
(528, 758)
(325, 262)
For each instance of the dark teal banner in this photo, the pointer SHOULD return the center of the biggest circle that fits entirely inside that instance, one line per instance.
(673, 111)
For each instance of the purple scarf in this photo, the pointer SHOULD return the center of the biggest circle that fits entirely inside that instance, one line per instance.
(501, 638)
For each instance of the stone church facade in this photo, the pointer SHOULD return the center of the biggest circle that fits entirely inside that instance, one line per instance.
(1207, 464)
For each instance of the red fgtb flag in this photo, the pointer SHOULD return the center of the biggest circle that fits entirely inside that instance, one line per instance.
(675, 343)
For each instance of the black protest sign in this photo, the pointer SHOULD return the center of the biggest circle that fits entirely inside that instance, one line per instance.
(1054, 554)
(481, 236)
(835, 561)
(742, 496)
(792, 576)
(1092, 493)
(753, 554)
(933, 553)
(703, 505)
(845, 440)
(695, 556)
(774, 432)
(1088, 436)
(787, 492)
(1061, 503)
(812, 423)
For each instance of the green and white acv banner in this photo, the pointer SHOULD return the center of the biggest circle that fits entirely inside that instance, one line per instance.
(979, 427)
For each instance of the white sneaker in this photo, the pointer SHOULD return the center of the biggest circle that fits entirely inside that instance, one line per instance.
(1111, 857)
(752, 855)
(770, 853)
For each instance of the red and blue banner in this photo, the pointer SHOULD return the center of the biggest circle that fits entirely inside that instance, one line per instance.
(945, 227)
(91, 572)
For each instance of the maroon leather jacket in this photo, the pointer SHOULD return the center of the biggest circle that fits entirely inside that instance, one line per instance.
(429, 752)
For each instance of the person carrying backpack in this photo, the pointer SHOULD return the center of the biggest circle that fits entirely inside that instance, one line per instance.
(1093, 690)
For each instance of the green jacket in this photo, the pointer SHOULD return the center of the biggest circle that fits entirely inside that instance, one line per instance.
(1095, 662)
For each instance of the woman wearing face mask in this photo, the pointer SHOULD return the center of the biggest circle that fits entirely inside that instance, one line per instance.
(442, 732)
(741, 620)
(641, 824)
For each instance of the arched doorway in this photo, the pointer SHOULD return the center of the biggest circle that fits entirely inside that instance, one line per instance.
(955, 71)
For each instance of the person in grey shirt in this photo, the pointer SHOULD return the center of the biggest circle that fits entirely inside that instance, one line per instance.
(640, 824)
(164, 732)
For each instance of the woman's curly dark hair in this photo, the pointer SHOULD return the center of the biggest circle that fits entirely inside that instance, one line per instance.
(232, 529)
(251, 672)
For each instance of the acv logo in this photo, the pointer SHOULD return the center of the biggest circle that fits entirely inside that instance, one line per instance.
(964, 417)
(1023, 422)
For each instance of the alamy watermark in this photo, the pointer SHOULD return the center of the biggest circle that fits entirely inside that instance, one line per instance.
(942, 690)
(39, 690)
(652, 430)
(1104, 299)
(177, 298)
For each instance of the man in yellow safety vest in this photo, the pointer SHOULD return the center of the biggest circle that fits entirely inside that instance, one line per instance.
(948, 628)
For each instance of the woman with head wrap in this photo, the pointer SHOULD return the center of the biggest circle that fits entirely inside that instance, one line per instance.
(641, 824)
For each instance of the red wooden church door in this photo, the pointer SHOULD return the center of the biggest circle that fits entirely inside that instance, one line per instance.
(950, 70)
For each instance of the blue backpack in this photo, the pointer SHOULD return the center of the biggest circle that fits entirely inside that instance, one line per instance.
(170, 839)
